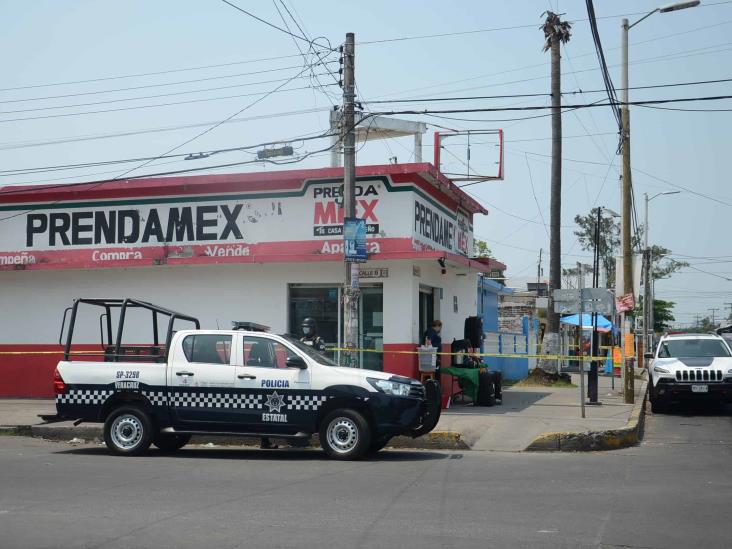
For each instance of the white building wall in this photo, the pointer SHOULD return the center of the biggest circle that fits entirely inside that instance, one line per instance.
(32, 302)
(457, 282)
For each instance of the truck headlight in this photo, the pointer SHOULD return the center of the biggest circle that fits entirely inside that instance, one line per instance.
(660, 370)
(385, 386)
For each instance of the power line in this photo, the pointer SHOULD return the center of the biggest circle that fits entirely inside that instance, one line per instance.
(169, 104)
(214, 126)
(203, 154)
(545, 107)
(687, 189)
(574, 92)
(536, 200)
(144, 74)
(497, 29)
(92, 137)
(140, 98)
(147, 86)
(266, 22)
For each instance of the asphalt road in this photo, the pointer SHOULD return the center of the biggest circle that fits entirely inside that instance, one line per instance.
(675, 490)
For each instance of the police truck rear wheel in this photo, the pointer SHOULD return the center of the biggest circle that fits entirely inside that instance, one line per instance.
(170, 442)
(128, 431)
(345, 434)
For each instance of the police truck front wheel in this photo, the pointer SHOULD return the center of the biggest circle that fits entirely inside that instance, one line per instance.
(345, 434)
(128, 431)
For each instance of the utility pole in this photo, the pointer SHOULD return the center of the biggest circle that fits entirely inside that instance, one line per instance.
(556, 32)
(538, 269)
(629, 386)
(714, 310)
(351, 291)
(730, 310)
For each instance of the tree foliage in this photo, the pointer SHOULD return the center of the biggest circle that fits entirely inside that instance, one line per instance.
(662, 315)
(481, 249)
(663, 265)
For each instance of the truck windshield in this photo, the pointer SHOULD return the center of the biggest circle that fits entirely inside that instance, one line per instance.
(692, 348)
(312, 353)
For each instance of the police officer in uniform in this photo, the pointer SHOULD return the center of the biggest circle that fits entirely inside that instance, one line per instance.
(310, 335)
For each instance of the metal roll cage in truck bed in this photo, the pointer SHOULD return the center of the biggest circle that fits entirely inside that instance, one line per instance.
(114, 351)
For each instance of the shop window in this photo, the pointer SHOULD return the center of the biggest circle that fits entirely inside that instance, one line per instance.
(320, 303)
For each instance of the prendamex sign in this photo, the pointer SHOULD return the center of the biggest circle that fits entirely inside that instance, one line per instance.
(192, 229)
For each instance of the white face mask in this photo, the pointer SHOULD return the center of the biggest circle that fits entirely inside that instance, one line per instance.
(306, 330)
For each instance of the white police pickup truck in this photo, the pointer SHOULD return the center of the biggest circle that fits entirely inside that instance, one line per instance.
(689, 367)
(244, 382)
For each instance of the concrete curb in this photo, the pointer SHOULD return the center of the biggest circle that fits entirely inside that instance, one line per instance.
(592, 441)
(436, 440)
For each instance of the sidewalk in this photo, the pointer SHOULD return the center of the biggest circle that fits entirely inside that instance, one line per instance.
(527, 413)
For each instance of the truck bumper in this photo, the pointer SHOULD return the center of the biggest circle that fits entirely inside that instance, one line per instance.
(407, 416)
(669, 391)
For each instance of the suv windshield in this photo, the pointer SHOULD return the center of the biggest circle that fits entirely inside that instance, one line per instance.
(312, 353)
(692, 348)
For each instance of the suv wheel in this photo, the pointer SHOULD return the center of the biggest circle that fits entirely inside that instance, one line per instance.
(128, 431)
(345, 434)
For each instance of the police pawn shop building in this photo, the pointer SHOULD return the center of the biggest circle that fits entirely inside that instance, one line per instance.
(265, 247)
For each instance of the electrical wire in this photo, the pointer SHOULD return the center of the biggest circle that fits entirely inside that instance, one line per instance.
(140, 98)
(157, 105)
(201, 154)
(609, 87)
(266, 22)
(93, 137)
(147, 86)
(566, 93)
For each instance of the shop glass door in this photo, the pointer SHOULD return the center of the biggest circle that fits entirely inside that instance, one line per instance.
(371, 328)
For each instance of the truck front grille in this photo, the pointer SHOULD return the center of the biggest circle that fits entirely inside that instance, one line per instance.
(699, 375)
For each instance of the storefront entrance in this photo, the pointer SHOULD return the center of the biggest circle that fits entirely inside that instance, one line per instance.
(323, 303)
(426, 309)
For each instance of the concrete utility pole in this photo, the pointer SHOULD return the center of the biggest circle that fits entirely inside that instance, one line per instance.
(629, 386)
(627, 179)
(351, 290)
(714, 310)
(556, 32)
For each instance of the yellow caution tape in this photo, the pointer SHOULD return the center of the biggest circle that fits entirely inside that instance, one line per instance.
(345, 349)
(495, 355)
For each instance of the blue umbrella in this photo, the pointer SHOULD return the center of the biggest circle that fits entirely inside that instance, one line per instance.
(603, 324)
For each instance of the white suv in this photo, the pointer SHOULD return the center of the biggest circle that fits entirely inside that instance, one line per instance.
(689, 366)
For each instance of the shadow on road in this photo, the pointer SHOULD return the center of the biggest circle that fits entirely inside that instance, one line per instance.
(703, 409)
(283, 454)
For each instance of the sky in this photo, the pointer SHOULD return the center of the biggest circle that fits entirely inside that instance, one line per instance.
(99, 55)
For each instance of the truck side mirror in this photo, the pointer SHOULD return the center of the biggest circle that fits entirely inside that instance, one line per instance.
(648, 355)
(296, 362)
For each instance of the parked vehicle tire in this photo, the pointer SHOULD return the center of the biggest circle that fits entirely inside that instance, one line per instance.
(128, 431)
(170, 442)
(345, 434)
(486, 390)
(658, 407)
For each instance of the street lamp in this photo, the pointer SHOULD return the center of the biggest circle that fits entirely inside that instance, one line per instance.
(626, 196)
(648, 270)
